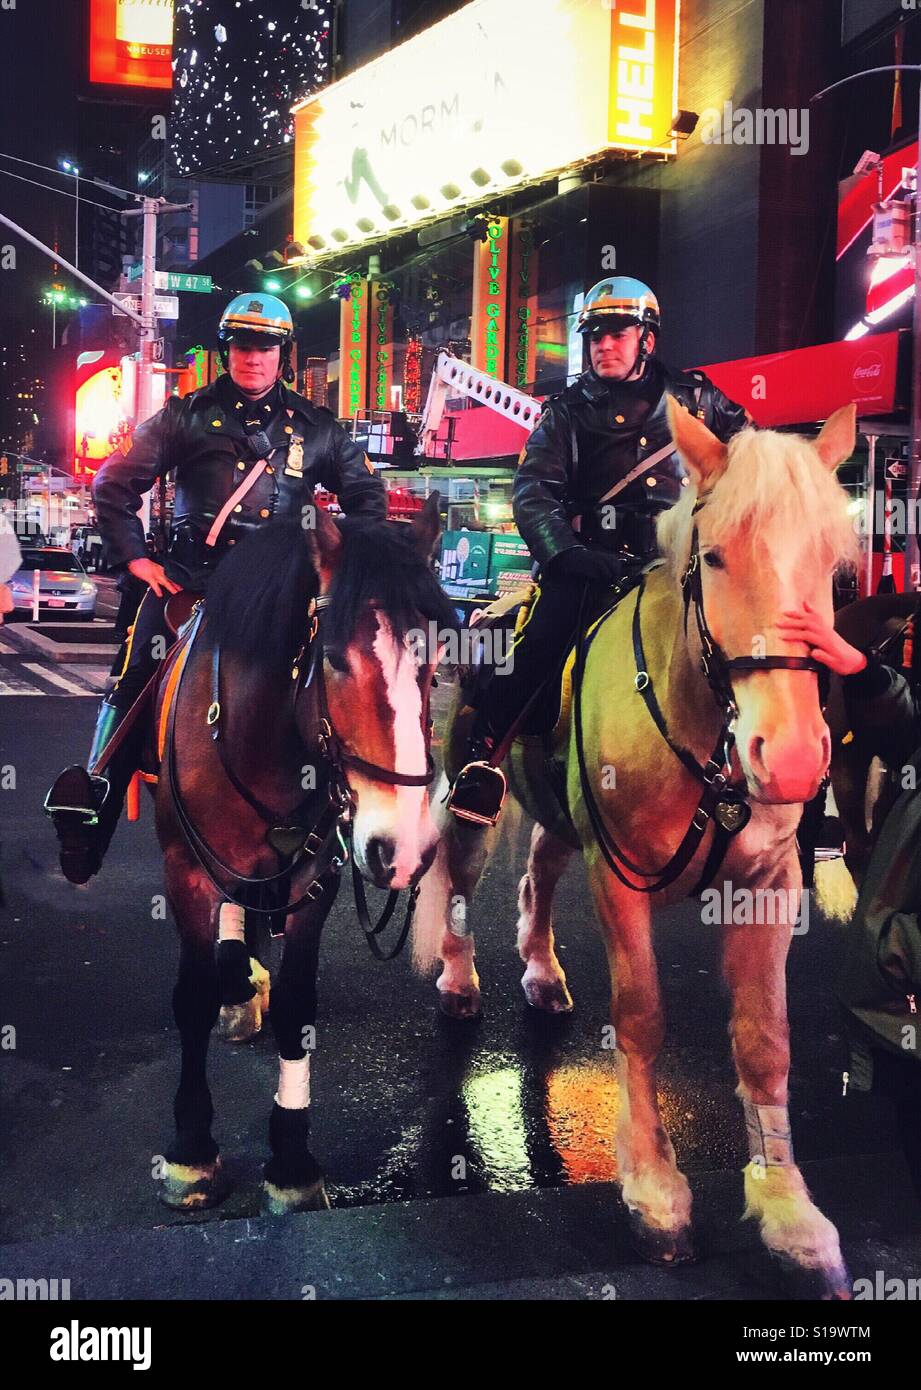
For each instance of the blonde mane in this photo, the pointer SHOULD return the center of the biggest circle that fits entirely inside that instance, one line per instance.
(776, 488)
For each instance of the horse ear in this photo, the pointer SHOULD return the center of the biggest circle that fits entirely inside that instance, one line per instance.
(324, 541)
(701, 452)
(426, 526)
(838, 438)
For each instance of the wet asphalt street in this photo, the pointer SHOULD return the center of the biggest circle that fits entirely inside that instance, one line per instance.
(405, 1104)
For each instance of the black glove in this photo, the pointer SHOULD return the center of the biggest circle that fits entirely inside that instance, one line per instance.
(597, 566)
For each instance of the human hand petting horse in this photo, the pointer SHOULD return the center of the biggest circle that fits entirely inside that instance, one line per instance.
(701, 734)
(297, 709)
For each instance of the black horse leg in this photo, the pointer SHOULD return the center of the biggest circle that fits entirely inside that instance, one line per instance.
(191, 1172)
(293, 1178)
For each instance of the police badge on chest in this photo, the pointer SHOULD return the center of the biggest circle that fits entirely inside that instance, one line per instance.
(294, 464)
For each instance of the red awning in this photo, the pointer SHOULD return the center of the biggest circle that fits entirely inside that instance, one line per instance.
(806, 385)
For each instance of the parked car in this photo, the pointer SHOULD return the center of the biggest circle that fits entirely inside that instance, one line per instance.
(63, 586)
(86, 544)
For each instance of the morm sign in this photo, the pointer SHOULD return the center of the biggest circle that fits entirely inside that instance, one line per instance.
(496, 95)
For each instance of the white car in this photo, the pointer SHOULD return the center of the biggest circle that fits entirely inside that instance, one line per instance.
(63, 585)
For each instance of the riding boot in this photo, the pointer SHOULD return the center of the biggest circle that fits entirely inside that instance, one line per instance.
(479, 790)
(84, 808)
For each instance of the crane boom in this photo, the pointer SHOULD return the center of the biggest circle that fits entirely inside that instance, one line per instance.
(452, 376)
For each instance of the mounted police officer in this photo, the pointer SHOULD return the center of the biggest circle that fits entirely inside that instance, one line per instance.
(593, 477)
(245, 450)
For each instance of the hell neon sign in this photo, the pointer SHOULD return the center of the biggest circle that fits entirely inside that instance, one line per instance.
(644, 73)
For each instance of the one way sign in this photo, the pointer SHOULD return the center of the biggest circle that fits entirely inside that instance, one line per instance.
(166, 306)
(895, 469)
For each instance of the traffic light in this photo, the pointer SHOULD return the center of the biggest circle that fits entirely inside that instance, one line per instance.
(4, 465)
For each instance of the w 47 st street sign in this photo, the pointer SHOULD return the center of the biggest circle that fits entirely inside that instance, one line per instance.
(166, 306)
(176, 280)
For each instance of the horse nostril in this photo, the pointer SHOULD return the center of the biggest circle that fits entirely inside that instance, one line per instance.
(380, 854)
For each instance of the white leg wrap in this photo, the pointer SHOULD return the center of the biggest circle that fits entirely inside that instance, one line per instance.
(293, 1084)
(769, 1139)
(231, 923)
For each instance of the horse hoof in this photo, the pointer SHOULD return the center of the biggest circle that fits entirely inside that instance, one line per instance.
(189, 1187)
(815, 1285)
(459, 1005)
(550, 996)
(657, 1247)
(282, 1200)
(239, 1023)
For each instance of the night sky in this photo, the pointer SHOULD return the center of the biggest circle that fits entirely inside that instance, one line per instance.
(43, 119)
(238, 69)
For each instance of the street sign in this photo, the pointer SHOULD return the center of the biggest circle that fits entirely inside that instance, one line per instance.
(174, 280)
(165, 306)
(895, 469)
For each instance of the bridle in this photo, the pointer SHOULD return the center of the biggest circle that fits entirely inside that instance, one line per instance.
(328, 843)
(715, 664)
(720, 801)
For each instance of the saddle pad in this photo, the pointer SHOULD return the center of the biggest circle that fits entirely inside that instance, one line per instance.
(173, 667)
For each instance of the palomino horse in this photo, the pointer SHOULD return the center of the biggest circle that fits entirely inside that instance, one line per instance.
(301, 679)
(761, 527)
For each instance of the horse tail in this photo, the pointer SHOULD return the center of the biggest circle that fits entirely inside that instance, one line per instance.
(835, 891)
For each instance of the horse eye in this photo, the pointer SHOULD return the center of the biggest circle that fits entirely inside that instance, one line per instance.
(337, 659)
(714, 559)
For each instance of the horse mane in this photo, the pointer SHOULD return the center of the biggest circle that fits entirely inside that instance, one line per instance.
(258, 597)
(776, 488)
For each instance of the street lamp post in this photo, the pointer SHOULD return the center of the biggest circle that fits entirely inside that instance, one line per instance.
(70, 168)
(913, 552)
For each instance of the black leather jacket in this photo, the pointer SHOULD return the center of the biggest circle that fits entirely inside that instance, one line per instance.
(200, 437)
(570, 462)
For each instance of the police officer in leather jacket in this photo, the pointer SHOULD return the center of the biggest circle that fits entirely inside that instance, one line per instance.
(246, 423)
(593, 477)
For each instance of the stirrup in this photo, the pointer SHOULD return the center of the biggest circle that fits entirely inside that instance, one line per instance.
(478, 793)
(73, 813)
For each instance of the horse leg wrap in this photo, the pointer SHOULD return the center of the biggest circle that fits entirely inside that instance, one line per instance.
(231, 923)
(293, 1084)
(770, 1142)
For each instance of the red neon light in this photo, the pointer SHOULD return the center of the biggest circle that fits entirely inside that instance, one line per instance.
(127, 43)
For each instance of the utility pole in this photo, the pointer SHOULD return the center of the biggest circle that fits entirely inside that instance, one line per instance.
(912, 550)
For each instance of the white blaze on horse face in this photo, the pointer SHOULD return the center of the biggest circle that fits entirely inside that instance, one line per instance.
(398, 814)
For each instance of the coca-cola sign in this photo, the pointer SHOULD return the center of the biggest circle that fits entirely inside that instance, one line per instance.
(868, 372)
(804, 387)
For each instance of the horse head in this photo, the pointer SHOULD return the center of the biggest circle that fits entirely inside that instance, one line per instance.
(378, 598)
(762, 528)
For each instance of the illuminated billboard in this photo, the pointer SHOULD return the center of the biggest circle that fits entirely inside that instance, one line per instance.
(479, 103)
(131, 43)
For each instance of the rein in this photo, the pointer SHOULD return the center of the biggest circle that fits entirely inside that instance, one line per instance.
(725, 805)
(288, 837)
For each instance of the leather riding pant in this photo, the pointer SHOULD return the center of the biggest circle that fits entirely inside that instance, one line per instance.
(539, 651)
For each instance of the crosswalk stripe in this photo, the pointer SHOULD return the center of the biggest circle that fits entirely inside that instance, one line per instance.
(55, 679)
(12, 685)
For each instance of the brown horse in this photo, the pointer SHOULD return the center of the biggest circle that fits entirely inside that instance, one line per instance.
(652, 768)
(296, 714)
